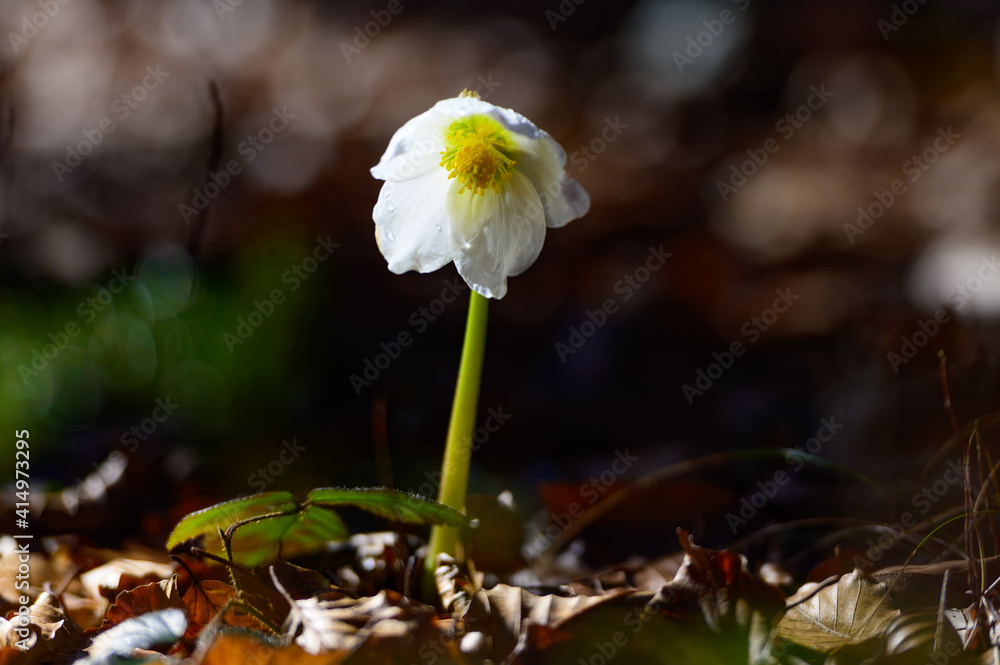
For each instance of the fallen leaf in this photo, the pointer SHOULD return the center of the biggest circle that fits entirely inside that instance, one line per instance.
(914, 632)
(155, 628)
(632, 631)
(731, 601)
(142, 599)
(106, 582)
(42, 568)
(324, 626)
(504, 614)
(204, 600)
(850, 611)
(45, 633)
(239, 649)
(634, 574)
(721, 585)
(300, 582)
(110, 575)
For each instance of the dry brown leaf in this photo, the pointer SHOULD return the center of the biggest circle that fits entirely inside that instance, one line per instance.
(142, 599)
(323, 626)
(297, 581)
(49, 632)
(915, 632)
(205, 599)
(635, 574)
(111, 575)
(42, 568)
(258, 589)
(656, 573)
(824, 618)
(504, 614)
(631, 630)
(720, 584)
(228, 649)
(103, 584)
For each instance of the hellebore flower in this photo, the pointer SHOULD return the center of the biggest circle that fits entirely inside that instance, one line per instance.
(476, 184)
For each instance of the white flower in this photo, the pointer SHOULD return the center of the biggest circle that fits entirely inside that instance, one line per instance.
(476, 184)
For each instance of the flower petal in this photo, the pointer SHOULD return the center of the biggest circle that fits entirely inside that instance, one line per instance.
(498, 235)
(458, 107)
(415, 148)
(410, 217)
(543, 161)
(422, 221)
(539, 157)
(509, 118)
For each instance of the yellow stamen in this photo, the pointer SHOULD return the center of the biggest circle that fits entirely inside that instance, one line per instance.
(477, 153)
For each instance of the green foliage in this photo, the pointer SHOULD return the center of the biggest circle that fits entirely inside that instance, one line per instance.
(265, 527)
(106, 349)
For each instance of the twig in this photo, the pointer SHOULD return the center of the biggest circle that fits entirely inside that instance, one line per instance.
(214, 157)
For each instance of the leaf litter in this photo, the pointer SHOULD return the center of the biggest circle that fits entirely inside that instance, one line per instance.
(272, 580)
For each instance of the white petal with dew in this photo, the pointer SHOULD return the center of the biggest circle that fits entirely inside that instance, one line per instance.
(509, 234)
(422, 222)
(410, 216)
(415, 149)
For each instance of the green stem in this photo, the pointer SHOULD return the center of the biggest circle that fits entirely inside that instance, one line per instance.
(458, 447)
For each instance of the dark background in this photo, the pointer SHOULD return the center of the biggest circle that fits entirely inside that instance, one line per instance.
(653, 184)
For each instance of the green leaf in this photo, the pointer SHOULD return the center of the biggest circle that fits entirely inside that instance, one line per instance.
(227, 513)
(391, 504)
(274, 525)
(302, 532)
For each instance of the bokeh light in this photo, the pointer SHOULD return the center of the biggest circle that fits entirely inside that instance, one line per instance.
(167, 169)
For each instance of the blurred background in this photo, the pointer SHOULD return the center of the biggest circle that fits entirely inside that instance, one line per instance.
(189, 278)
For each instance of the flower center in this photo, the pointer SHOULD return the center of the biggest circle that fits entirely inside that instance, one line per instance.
(476, 153)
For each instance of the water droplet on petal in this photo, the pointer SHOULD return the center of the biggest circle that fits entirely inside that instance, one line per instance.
(438, 227)
(390, 207)
(390, 234)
